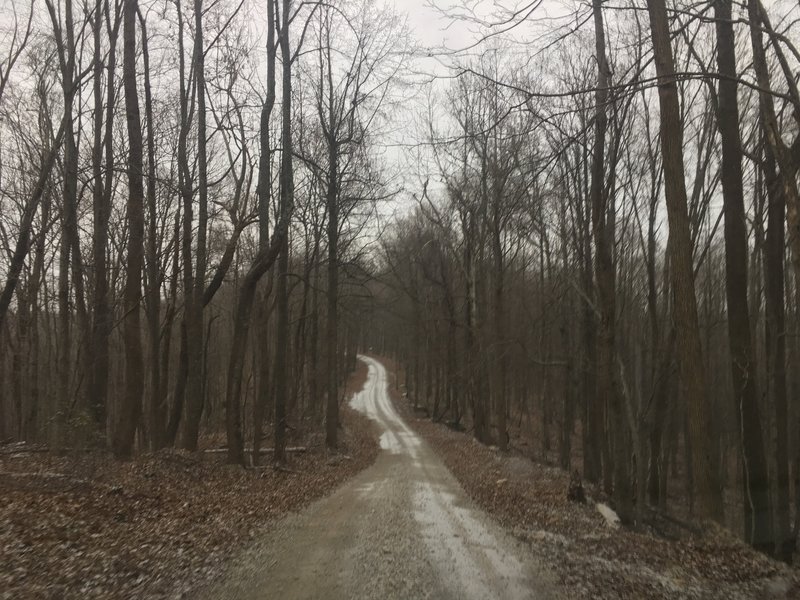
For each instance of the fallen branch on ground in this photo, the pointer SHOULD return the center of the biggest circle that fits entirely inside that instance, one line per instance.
(297, 449)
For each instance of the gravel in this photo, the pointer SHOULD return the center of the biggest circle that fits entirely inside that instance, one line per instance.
(401, 529)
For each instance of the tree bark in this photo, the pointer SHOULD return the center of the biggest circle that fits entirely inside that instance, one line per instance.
(708, 492)
(755, 473)
(775, 343)
(281, 353)
(130, 409)
(194, 309)
(264, 190)
(782, 189)
(265, 258)
(605, 277)
(332, 323)
(155, 404)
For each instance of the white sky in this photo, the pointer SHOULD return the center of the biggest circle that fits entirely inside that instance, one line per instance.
(439, 31)
(430, 27)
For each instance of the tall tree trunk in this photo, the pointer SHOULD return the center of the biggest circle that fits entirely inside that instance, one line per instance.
(169, 320)
(67, 48)
(332, 324)
(264, 196)
(606, 379)
(179, 391)
(194, 309)
(782, 190)
(32, 431)
(102, 324)
(501, 405)
(775, 342)
(155, 405)
(130, 409)
(262, 359)
(96, 393)
(281, 353)
(313, 349)
(190, 337)
(475, 386)
(755, 473)
(708, 492)
(286, 202)
(264, 260)
(592, 421)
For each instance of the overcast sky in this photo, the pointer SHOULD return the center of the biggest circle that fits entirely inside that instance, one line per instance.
(436, 29)
(430, 27)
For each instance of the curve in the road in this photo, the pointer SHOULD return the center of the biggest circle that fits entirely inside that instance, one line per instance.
(401, 529)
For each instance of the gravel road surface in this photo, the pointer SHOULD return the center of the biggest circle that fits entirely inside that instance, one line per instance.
(401, 529)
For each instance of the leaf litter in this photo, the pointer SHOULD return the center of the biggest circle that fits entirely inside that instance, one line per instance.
(663, 560)
(87, 526)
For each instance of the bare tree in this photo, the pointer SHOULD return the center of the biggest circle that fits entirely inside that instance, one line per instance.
(690, 354)
(755, 473)
(130, 411)
(267, 255)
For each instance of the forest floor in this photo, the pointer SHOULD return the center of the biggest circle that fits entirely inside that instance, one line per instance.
(667, 559)
(436, 515)
(86, 526)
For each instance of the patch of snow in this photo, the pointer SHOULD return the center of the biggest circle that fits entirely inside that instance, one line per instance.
(390, 442)
(612, 520)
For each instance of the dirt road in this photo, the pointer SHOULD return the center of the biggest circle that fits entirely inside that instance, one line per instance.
(401, 529)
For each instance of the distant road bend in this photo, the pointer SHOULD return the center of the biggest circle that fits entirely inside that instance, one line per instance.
(401, 529)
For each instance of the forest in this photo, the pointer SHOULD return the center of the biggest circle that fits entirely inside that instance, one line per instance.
(577, 234)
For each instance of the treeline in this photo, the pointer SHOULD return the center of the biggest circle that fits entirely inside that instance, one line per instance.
(605, 255)
(184, 193)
